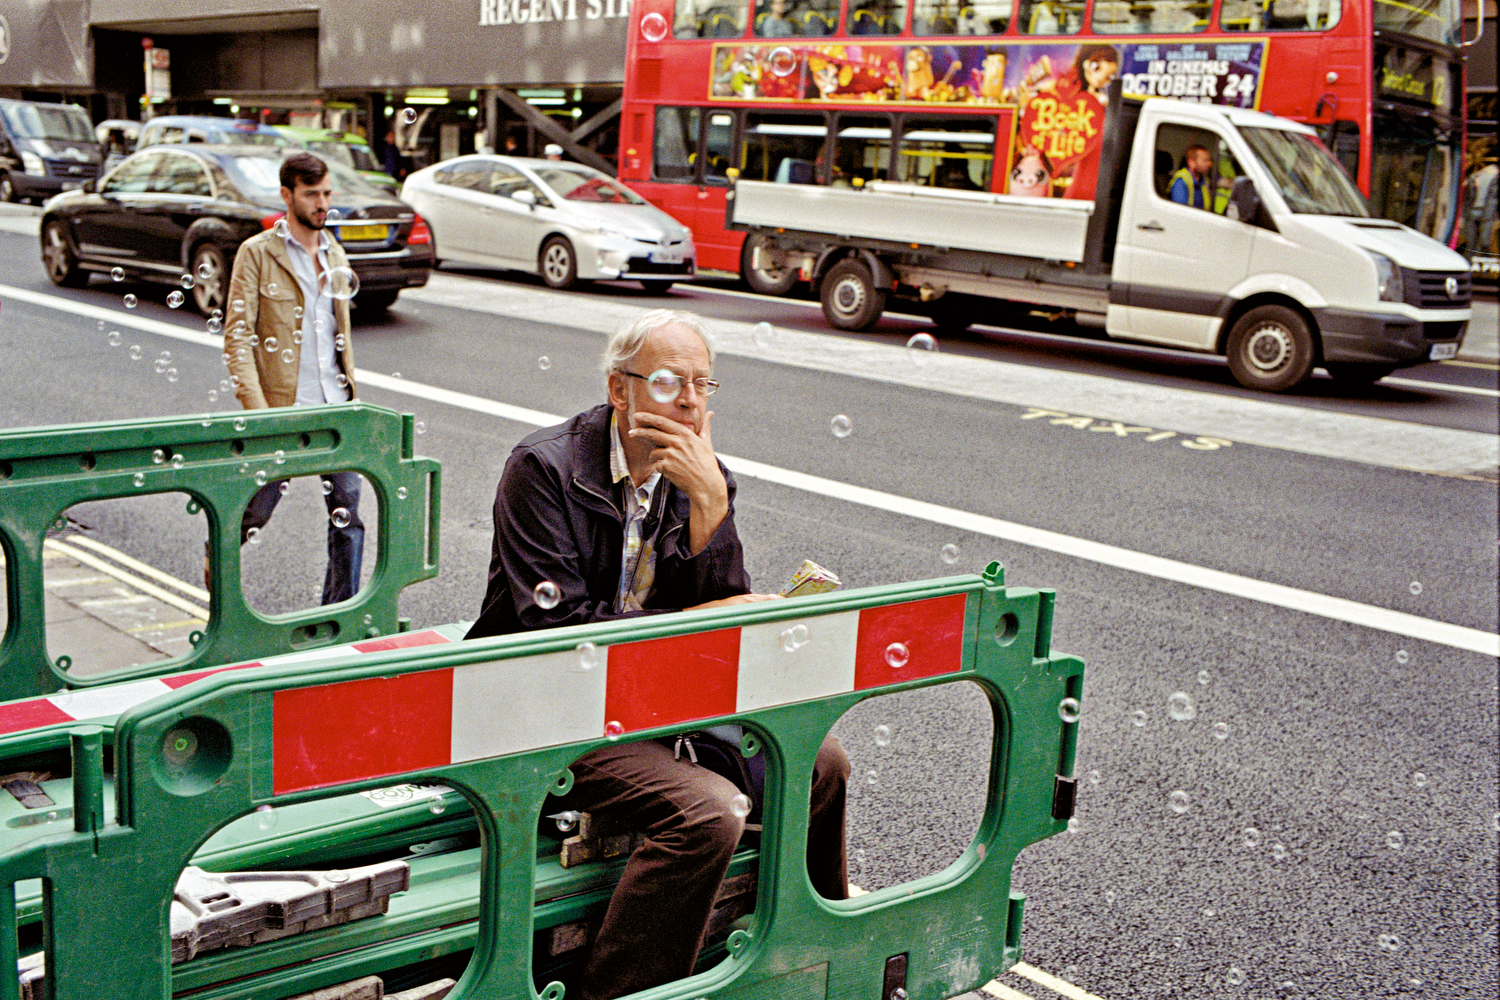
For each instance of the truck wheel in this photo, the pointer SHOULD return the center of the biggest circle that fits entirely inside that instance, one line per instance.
(1271, 349)
(1358, 373)
(559, 265)
(57, 255)
(765, 280)
(850, 299)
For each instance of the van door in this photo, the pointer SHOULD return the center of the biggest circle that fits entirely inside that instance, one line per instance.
(1175, 262)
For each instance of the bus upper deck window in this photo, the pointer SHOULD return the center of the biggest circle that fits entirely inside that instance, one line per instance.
(1282, 15)
(944, 17)
(1050, 17)
(1152, 17)
(876, 17)
(709, 19)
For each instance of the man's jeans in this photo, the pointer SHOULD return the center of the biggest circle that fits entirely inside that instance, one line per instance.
(346, 544)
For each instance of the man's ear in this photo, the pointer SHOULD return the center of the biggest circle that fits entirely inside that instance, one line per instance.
(619, 392)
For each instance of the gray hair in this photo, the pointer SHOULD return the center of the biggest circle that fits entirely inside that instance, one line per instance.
(625, 344)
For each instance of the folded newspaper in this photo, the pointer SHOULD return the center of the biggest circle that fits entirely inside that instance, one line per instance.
(809, 579)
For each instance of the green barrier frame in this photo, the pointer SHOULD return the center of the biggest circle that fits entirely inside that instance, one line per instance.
(46, 470)
(107, 886)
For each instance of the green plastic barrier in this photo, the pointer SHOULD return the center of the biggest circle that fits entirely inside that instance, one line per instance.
(214, 459)
(499, 721)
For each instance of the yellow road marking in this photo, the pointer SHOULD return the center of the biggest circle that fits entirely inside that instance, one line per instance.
(197, 593)
(1487, 365)
(119, 574)
(1052, 983)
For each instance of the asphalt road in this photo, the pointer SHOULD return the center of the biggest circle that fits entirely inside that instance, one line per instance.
(1338, 734)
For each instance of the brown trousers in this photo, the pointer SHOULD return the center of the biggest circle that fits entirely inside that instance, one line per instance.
(658, 914)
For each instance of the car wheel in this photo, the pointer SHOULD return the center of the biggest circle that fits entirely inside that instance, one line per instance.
(1358, 373)
(850, 299)
(1271, 349)
(375, 303)
(7, 188)
(210, 274)
(656, 287)
(766, 280)
(559, 265)
(57, 257)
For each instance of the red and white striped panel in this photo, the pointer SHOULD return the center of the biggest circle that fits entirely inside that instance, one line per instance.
(109, 700)
(355, 730)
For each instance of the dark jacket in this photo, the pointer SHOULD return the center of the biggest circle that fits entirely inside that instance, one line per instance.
(559, 518)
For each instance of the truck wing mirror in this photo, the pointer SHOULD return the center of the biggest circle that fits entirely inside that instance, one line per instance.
(1245, 205)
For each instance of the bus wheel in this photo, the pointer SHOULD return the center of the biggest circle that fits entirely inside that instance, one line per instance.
(1271, 349)
(767, 280)
(1358, 373)
(850, 299)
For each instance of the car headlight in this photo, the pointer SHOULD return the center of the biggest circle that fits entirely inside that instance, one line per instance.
(32, 163)
(1389, 280)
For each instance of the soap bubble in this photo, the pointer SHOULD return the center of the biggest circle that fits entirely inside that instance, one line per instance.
(783, 61)
(546, 594)
(214, 325)
(897, 655)
(794, 638)
(1139, 719)
(613, 730)
(336, 875)
(1419, 779)
(1236, 976)
(401, 493)
(280, 457)
(1389, 942)
(1395, 840)
(338, 283)
(588, 655)
(1109, 896)
(117, 274)
(1179, 801)
(135, 352)
(265, 817)
(882, 736)
(949, 553)
(1203, 677)
(1221, 730)
(186, 281)
(283, 488)
(1068, 710)
(421, 427)
(841, 426)
(567, 821)
(252, 535)
(297, 339)
(239, 423)
(653, 27)
(339, 517)
(409, 116)
(763, 335)
(260, 478)
(1094, 777)
(1180, 706)
(139, 479)
(281, 229)
(205, 271)
(114, 338)
(920, 349)
(395, 374)
(158, 456)
(1250, 836)
(544, 362)
(1278, 851)
(334, 215)
(664, 386)
(238, 305)
(1415, 588)
(872, 777)
(175, 299)
(160, 366)
(270, 344)
(1402, 656)
(740, 805)
(799, 632)
(342, 381)
(130, 301)
(178, 461)
(287, 357)
(327, 487)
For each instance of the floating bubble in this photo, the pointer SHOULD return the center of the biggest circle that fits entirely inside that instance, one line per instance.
(436, 804)
(897, 655)
(421, 427)
(175, 299)
(1250, 836)
(1094, 777)
(1278, 851)
(664, 386)
(1074, 826)
(238, 305)
(117, 274)
(114, 338)
(239, 423)
(52, 817)
(139, 479)
(1235, 976)
(369, 619)
(1203, 677)
(409, 116)
(136, 352)
(872, 777)
(1415, 588)
(288, 356)
(208, 419)
(205, 271)
(130, 301)
(338, 341)
(653, 27)
(1419, 779)
(588, 656)
(1068, 710)
(395, 374)
(1179, 801)
(566, 822)
(920, 349)
(1389, 942)
(948, 553)
(1221, 730)
(546, 594)
(280, 457)
(1395, 840)
(763, 335)
(1210, 912)
(400, 492)
(841, 426)
(297, 339)
(334, 215)
(783, 61)
(284, 488)
(789, 641)
(160, 366)
(178, 461)
(339, 517)
(281, 229)
(214, 326)
(1177, 941)
(327, 487)
(1402, 656)
(799, 633)
(1180, 706)
(270, 344)
(265, 817)
(339, 283)
(1109, 896)
(544, 362)
(158, 456)
(740, 805)
(882, 736)
(613, 730)
(244, 468)
(342, 381)
(1139, 719)
(260, 477)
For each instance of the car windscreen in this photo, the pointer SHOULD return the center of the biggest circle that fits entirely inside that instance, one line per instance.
(363, 158)
(48, 121)
(1310, 179)
(334, 151)
(576, 185)
(260, 177)
(254, 139)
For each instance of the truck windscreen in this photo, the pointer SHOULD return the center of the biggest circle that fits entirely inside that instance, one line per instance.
(1309, 178)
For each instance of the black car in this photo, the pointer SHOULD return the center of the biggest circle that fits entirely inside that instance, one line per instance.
(171, 212)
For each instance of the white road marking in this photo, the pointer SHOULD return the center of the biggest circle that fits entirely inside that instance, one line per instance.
(1335, 608)
(996, 988)
(197, 593)
(1052, 983)
(119, 574)
(1472, 390)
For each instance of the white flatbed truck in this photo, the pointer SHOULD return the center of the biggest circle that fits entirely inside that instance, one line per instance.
(1287, 271)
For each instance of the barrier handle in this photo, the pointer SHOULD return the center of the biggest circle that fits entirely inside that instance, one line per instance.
(88, 780)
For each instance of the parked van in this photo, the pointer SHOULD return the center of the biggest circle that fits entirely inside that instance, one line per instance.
(44, 149)
(208, 128)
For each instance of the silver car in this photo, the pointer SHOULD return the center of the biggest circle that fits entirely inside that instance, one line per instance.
(564, 221)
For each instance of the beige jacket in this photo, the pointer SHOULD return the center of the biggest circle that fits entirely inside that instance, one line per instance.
(263, 294)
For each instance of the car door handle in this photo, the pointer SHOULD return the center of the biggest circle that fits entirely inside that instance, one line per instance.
(1152, 227)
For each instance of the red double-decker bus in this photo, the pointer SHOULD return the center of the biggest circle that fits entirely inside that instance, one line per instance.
(1007, 95)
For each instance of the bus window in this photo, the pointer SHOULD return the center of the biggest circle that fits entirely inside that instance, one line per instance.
(719, 144)
(709, 19)
(1435, 20)
(946, 17)
(1281, 15)
(862, 148)
(1151, 17)
(787, 149)
(947, 152)
(1050, 17)
(876, 17)
(775, 19)
(675, 147)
